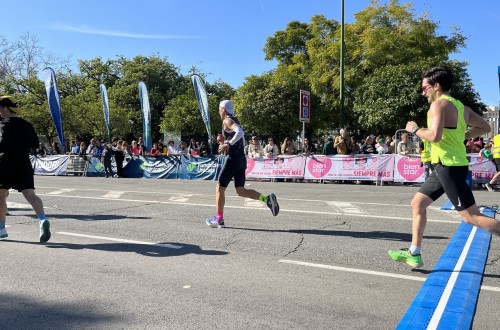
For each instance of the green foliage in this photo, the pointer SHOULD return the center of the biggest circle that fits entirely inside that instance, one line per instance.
(182, 115)
(386, 49)
(268, 105)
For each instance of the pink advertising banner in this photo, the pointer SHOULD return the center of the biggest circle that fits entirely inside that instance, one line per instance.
(279, 167)
(482, 169)
(356, 167)
(408, 168)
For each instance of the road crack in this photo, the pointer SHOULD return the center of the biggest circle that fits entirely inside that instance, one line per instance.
(297, 247)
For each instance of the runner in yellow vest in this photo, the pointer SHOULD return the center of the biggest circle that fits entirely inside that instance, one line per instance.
(448, 121)
(425, 157)
(496, 159)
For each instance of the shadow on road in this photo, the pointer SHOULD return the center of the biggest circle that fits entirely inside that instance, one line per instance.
(382, 235)
(95, 217)
(17, 312)
(427, 272)
(80, 217)
(142, 249)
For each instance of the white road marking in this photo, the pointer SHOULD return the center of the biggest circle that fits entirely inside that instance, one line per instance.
(353, 270)
(113, 194)
(14, 205)
(60, 191)
(168, 246)
(253, 208)
(253, 203)
(237, 197)
(18, 205)
(180, 198)
(438, 312)
(346, 207)
(371, 272)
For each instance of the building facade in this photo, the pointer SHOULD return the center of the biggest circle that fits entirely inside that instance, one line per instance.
(492, 117)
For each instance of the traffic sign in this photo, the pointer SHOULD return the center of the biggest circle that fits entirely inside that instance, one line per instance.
(305, 106)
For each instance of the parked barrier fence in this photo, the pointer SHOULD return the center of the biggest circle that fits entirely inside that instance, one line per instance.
(383, 168)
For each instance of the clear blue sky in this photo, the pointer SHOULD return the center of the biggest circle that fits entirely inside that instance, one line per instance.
(225, 38)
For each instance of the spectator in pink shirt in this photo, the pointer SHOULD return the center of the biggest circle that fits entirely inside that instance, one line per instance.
(136, 151)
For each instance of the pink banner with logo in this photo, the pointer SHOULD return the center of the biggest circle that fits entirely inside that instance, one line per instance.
(279, 167)
(357, 167)
(408, 168)
(483, 169)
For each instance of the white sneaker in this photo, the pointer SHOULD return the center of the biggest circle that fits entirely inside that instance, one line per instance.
(212, 222)
(3, 233)
(489, 187)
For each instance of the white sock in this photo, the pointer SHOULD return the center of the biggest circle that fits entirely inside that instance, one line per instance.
(414, 250)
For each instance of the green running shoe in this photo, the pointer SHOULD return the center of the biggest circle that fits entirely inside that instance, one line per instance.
(404, 255)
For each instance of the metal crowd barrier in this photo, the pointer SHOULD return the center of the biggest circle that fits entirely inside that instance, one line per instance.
(77, 165)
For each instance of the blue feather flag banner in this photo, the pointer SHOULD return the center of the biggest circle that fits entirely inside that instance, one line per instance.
(55, 105)
(105, 107)
(202, 98)
(146, 116)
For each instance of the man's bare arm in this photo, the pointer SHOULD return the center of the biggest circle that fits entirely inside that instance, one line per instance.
(435, 132)
(477, 125)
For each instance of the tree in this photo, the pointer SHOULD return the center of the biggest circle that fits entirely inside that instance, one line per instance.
(387, 48)
(182, 115)
(268, 105)
(162, 79)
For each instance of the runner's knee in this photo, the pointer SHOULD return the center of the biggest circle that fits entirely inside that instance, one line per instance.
(418, 204)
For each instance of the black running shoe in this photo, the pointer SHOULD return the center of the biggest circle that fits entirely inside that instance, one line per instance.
(272, 203)
(44, 231)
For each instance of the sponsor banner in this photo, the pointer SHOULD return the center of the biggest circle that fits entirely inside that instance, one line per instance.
(160, 167)
(200, 168)
(482, 169)
(174, 167)
(356, 167)
(105, 108)
(50, 165)
(151, 167)
(279, 167)
(202, 98)
(397, 168)
(408, 169)
(95, 167)
(146, 116)
(54, 105)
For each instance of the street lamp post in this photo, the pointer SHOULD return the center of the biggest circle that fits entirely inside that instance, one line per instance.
(498, 123)
(341, 116)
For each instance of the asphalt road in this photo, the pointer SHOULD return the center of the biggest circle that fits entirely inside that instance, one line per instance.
(136, 254)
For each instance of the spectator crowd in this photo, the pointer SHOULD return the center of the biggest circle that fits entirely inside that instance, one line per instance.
(343, 143)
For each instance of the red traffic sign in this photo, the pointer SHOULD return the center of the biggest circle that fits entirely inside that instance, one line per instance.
(305, 106)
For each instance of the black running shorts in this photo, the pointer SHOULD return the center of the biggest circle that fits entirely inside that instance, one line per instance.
(233, 168)
(452, 181)
(19, 176)
(497, 163)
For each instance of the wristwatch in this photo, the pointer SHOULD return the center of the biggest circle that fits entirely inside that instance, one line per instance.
(415, 129)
